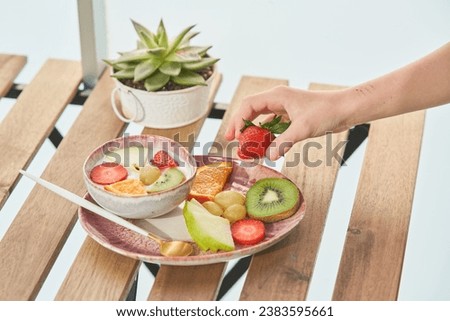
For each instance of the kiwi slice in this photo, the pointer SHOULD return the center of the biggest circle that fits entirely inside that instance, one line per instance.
(168, 179)
(272, 199)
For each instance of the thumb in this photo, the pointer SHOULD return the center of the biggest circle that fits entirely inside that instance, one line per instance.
(283, 143)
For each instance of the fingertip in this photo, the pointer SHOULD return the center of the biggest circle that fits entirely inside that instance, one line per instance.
(272, 154)
(229, 134)
(286, 150)
(280, 146)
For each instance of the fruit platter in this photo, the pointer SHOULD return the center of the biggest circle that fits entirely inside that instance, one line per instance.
(231, 209)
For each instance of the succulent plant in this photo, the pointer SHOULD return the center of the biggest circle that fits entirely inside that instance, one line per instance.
(157, 61)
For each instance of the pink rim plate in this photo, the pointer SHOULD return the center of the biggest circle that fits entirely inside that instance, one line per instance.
(131, 244)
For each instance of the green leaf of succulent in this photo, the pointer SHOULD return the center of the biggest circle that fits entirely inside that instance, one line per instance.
(189, 78)
(157, 51)
(178, 40)
(140, 44)
(161, 35)
(187, 54)
(135, 55)
(187, 38)
(200, 50)
(124, 65)
(124, 74)
(109, 62)
(146, 36)
(202, 64)
(149, 42)
(156, 81)
(145, 69)
(170, 68)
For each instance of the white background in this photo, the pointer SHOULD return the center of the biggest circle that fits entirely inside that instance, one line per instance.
(339, 42)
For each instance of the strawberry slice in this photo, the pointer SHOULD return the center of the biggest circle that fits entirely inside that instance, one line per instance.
(163, 160)
(108, 173)
(248, 231)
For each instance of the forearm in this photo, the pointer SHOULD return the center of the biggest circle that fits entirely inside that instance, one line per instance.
(422, 84)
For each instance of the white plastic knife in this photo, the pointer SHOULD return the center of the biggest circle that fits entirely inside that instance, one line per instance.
(85, 203)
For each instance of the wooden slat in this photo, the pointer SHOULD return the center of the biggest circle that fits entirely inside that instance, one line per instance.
(203, 282)
(10, 66)
(284, 271)
(32, 118)
(94, 277)
(187, 283)
(100, 274)
(34, 239)
(372, 259)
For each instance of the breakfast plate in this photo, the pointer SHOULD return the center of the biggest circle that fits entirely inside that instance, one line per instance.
(172, 226)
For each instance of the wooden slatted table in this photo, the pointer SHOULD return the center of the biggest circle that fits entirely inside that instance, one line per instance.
(377, 230)
(10, 66)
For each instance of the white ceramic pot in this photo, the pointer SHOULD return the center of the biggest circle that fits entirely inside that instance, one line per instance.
(165, 109)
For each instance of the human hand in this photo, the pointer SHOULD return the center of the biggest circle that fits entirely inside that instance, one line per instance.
(312, 114)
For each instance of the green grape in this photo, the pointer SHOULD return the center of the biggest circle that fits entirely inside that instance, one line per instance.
(149, 174)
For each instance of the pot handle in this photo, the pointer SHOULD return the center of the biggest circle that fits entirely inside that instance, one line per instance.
(116, 110)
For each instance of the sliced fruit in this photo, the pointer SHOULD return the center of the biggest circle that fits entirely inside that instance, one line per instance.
(272, 199)
(129, 156)
(149, 174)
(127, 187)
(163, 160)
(235, 213)
(210, 180)
(213, 208)
(169, 178)
(248, 231)
(209, 232)
(108, 173)
(227, 198)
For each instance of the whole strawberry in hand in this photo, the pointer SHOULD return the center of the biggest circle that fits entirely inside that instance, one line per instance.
(254, 140)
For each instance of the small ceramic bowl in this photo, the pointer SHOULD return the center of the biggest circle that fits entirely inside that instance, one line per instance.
(141, 206)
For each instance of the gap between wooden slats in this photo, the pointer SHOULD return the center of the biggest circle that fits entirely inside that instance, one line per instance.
(283, 272)
(203, 282)
(98, 273)
(10, 67)
(33, 117)
(372, 259)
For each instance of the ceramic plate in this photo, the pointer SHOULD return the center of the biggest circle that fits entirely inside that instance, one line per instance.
(172, 226)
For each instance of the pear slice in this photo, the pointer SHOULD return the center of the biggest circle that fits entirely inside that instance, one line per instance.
(210, 232)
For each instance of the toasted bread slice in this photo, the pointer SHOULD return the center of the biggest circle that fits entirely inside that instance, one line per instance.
(210, 180)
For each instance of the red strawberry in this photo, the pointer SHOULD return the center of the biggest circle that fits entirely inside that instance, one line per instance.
(163, 160)
(248, 231)
(254, 140)
(108, 173)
